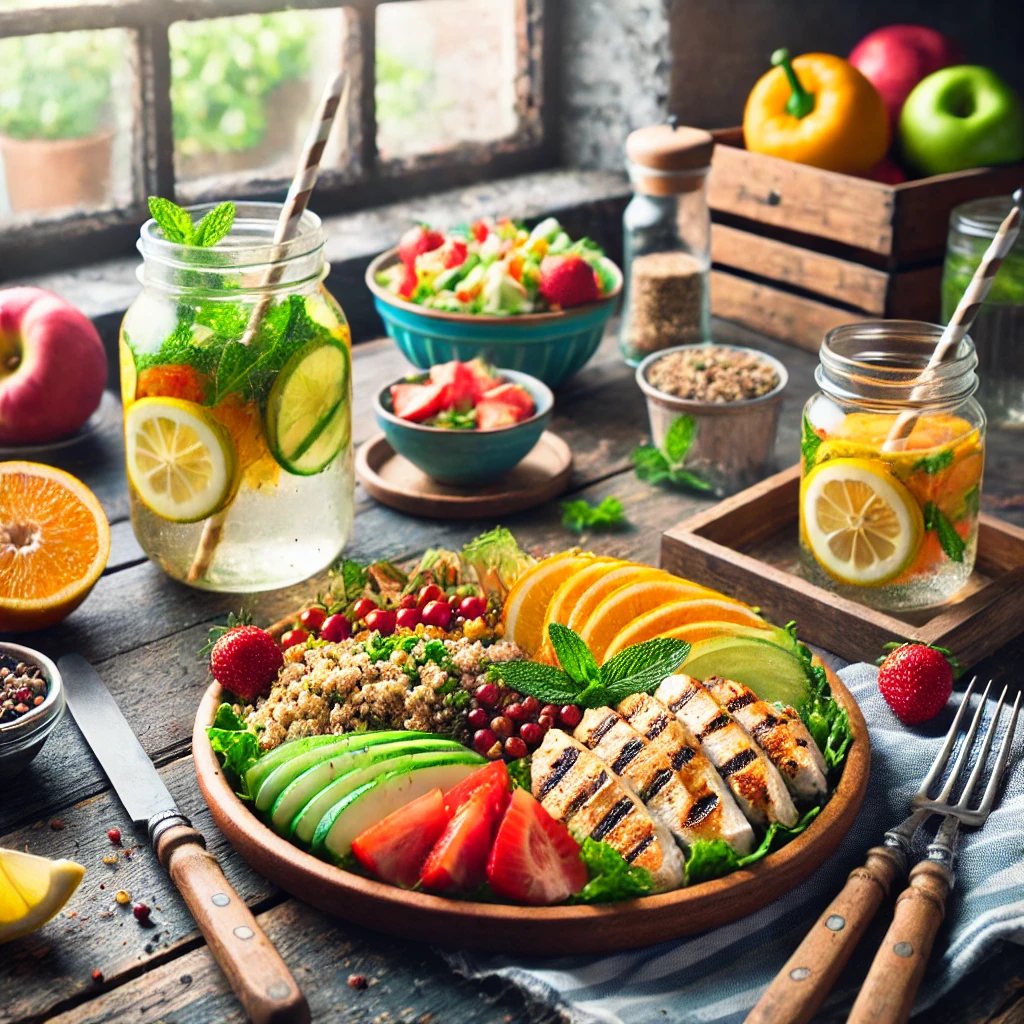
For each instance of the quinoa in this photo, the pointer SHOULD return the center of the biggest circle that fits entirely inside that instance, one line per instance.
(713, 373)
(402, 682)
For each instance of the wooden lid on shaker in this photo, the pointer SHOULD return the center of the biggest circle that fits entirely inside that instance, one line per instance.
(675, 155)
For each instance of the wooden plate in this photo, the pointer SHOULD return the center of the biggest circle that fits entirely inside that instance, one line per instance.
(532, 930)
(394, 481)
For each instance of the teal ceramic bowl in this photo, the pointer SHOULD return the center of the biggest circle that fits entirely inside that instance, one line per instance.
(549, 346)
(466, 457)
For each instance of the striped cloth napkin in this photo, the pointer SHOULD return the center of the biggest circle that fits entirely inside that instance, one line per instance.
(719, 975)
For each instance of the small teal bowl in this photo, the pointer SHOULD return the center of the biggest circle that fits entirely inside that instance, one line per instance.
(550, 346)
(466, 457)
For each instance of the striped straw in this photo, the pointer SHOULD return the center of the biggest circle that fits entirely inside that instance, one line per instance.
(963, 317)
(292, 210)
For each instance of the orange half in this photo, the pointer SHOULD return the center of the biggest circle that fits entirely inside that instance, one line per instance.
(647, 627)
(54, 544)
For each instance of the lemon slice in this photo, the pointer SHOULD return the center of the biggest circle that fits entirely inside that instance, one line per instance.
(862, 525)
(181, 461)
(129, 375)
(32, 890)
(308, 418)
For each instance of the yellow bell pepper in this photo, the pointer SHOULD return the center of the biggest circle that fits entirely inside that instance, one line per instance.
(819, 110)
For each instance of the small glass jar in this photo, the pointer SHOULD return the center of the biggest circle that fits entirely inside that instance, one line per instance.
(893, 529)
(238, 430)
(666, 241)
(999, 328)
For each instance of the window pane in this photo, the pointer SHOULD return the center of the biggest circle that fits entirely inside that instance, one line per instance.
(66, 122)
(244, 89)
(446, 73)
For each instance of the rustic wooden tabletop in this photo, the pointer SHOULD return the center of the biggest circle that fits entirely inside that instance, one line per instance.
(143, 632)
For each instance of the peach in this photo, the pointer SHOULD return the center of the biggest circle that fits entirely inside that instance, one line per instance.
(53, 367)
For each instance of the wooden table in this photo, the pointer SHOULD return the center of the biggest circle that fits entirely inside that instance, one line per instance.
(143, 632)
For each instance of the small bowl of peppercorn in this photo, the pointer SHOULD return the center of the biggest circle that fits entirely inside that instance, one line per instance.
(714, 411)
(31, 704)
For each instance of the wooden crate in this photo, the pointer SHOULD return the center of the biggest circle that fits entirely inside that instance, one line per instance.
(798, 250)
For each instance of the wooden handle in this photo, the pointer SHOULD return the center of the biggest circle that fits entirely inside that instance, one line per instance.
(258, 975)
(809, 974)
(889, 989)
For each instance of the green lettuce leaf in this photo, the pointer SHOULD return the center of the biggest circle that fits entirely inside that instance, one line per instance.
(235, 744)
(611, 877)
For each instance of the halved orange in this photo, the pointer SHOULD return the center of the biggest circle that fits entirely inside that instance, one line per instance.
(564, 599)
(627, 572)
(527, 601)
(693, 620)
(54, 543)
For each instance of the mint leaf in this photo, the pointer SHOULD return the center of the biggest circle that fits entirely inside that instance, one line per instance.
(574, 655)
(650, 464)
(686, 478)
(214, 226)
(650, 662)
(580, 515)
(678, 440)
(173, 221)
(809, 443)
(950, 541)
(932, 464)
(548, 684)
(595, 695)
(612, 877)
(972, 501)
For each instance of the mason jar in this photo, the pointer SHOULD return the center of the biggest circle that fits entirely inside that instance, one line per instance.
(237, 392)
(666, 241)
(892, 525)
(999, 327)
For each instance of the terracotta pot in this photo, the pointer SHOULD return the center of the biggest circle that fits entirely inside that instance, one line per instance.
(46, 174)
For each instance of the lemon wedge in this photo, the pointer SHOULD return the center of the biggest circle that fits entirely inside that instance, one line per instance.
(32, 890)
(862, 525)
(180, 460)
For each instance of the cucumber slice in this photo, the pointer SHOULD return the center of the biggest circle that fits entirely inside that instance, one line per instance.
(267, 778)
(376, 799)
(771, 671)
(298, 809)
(308, 416)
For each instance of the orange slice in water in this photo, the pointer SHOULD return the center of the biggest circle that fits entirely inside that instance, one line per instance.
(54, 543)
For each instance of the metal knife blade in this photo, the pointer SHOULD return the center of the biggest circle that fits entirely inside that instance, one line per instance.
(116, 747)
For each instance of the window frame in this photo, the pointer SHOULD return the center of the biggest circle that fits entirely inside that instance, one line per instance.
(62, 240)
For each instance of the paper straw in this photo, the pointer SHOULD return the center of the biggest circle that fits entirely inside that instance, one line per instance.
(962, 319)
(292, 210)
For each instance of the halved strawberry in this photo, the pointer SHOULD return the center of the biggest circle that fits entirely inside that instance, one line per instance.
(458, 861)
(515, 395)
(395, 848)
(417, 402)
(534, 858)
(480, 230)
(454, 252)
(418, 240)
(484, 373)
(408, 283)
(461, 390)
(492, 778)
(492, 414)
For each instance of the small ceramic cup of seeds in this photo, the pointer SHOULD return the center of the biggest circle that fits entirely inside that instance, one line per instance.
(31, 705)
(714, 412)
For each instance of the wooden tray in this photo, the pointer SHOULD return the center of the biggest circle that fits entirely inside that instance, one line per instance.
(394, 481)
(529, 930)
(748, 546)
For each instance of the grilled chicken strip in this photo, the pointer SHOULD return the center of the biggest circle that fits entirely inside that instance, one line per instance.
(780, 734)
(649, 773)
(755, 782)
(722, 819)
(574, 786)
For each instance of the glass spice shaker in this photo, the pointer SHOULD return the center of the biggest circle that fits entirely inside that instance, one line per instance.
(667, 241)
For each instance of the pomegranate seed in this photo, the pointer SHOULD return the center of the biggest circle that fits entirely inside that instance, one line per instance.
(477, 719)
(114, 835)
(312, 618)
(431, 592)
(472, 607)
(293, 637)
(409, 601)
(23, 694)
(515, 748)
(550, 710)
(141, 912)
(546, 721)
(570, 716)
(437, 613)
(483, 740)
(335, 629)
(531, 706)
(408, 618)
(502, 727)
(531, 733)
(362, 608)
(487, 694)
(517, 712)
(382, 620)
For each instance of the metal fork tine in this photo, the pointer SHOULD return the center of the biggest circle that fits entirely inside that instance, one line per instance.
(1004, 755)
(939, 764)
(965, 751)
(982, 759)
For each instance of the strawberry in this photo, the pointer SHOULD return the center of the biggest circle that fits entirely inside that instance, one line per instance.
(418, 240)
(458, 861)
(461, 389)
(484, 373)
(515, 395)
(492, 778)
(454, 253)
(916, 681)
(408, 283)
(480, 230)
(534, 858)
(417, 402)
(492, 414)
(567, 280)
(246, 660)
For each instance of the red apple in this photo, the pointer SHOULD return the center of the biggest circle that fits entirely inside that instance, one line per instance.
(895, 58)
(53, 367)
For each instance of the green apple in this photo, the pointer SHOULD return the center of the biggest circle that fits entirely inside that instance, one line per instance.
(960, 117)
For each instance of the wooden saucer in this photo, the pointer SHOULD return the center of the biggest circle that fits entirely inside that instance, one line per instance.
(394, 481)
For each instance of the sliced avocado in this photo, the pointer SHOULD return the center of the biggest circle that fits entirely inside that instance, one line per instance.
(772, 672)
(379, 797)
(299, 808)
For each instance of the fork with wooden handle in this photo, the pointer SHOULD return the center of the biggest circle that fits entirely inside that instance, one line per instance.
(801, 986)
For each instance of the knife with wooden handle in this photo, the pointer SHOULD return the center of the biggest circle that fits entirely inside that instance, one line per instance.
(254, 968)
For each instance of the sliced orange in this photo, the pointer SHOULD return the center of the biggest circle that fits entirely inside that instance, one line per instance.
(54, 543)
(527, 601)
(694, 632)
(627, 572)
(665, 619)
(564, 599)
